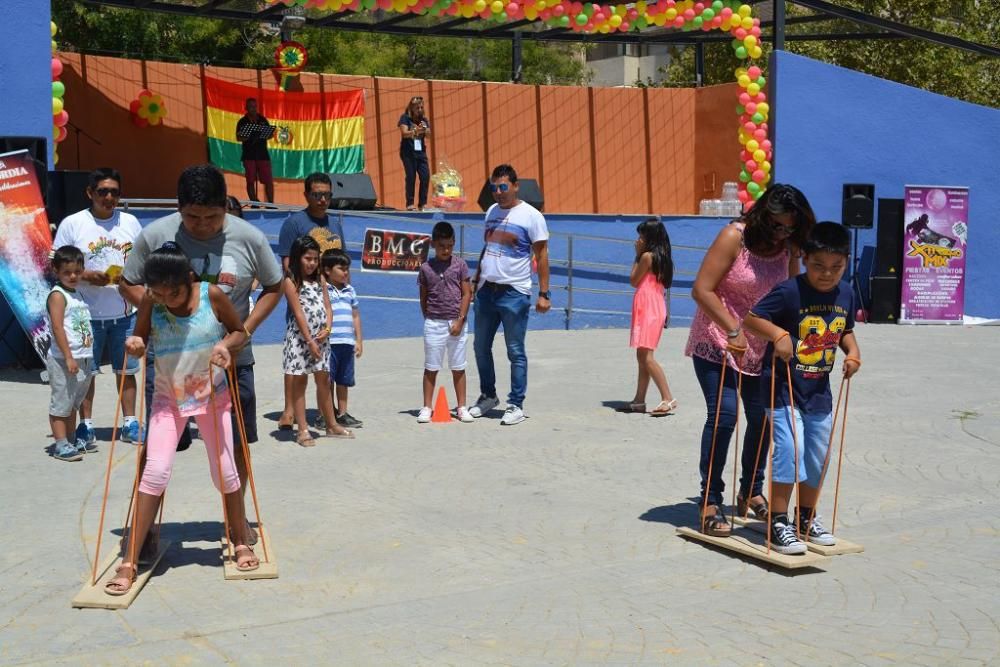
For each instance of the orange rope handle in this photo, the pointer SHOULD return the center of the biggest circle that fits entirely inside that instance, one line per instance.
(795, 441)
(770, 468)
(736, 434)
(711, 453)
(140, 451)
(783, 334)
(736, 348)
(217, 425)
(246, 455)
(855, 360)
(840, 459)
(829, 449)
(107, 474)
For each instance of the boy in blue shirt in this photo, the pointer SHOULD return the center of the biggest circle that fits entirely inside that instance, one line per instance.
(806, 318)
(345, 334)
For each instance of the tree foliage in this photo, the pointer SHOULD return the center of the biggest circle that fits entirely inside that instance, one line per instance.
(940, 69)
(158, 36)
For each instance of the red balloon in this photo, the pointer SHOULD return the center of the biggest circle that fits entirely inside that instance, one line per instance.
(62, 135)
(61, 119)
(57, 68)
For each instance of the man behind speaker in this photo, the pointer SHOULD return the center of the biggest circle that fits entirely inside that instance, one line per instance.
(105, 236)
(312, 221)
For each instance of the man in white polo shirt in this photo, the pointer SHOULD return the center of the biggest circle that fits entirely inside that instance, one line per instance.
(105, 236)
(515, 230)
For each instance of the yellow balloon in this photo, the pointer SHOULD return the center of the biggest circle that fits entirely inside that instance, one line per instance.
(744, 10)
(54, 45)
(756, 52)
(540, 5)
(744, 81)
(670, 14)
(604, 29)
(496, 6)
(530, 13)
(660, 19)
(749, 41)
(480, 5)
(758, 155)
(615, 20)
(622, 10)
(53, 28)
(753, 89)
(55, 158)
(763, 108)
(752, 145)
(746, 23)
(740, 71)
(57, 106)
(468, 11)
(743, 138)
(765, 166)
(640, 6)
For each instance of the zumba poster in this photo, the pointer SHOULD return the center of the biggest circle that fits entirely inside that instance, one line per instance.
(25, 243)
(935, 243)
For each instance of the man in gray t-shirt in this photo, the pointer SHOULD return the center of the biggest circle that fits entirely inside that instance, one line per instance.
(224, 250)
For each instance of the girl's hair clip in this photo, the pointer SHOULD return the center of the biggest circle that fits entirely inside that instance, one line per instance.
(170, 245)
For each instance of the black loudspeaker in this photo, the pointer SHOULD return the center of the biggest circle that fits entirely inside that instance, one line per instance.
(353, 192)
(67, 194)
(39, 150)
(889, 247)
(527, 190)
(885, 300)
(858, 211)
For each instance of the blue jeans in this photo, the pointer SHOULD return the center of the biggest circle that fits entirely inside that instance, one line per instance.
(753, 462)
(496, 305)
(109, 341)
(812, 433)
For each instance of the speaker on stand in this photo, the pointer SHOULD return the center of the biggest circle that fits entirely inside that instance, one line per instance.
(858, 212)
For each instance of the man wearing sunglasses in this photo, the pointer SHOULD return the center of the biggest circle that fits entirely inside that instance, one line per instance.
(105, 236)
(312, 221)
(515, 230)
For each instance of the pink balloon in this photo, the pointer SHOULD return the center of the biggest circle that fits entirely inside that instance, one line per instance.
(743, 195)
(546, 13)
(512, 9)
(744, 99)
(758, 176)
(726, 12)
(753, 72)
(751, 107)
(624, 27)
(766, 144)
(750, 126)
(57, 68)
(759, 135)
(755, 31)
(739, 34)
(698, 8)
(679, 22)
(745, 156)
(558, 10)
(61, 118)
(599, 17)
(688, 14)
(751, 165)
(62, 135)
(632, 14)
(576, 7)
(717, 22)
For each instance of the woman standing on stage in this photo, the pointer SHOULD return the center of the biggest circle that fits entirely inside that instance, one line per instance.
(414, 128)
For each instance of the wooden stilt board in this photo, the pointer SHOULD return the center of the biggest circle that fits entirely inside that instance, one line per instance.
(94, 597)
(839, 549)
(267, 570)
(749, 544)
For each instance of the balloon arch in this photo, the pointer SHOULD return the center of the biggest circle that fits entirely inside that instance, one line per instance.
(732, 16)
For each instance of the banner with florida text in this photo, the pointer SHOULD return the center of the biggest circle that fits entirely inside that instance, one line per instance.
(25, 244)
(935, 244)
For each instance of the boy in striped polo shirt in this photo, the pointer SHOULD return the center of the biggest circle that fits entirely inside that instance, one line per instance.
(345, 334)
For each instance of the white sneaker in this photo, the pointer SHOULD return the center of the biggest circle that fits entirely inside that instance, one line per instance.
(424, 417)
(464, 415)
(512, 415)
(483, 405)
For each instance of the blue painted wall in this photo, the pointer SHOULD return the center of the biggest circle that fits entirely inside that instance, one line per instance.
(26, 75)
(836, 126)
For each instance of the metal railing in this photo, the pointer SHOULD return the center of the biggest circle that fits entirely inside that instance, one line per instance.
(569, 263)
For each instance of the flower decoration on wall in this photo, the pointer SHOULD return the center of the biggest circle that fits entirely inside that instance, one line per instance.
(290, 59)
(147, 109)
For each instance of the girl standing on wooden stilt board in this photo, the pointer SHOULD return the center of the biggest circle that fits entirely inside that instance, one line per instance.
(748, 257)
(182, 319)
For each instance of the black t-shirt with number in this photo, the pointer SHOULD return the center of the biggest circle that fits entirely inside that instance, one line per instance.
(815, 321)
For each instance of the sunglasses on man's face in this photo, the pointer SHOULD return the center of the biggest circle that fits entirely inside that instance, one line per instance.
(499, 187)
(104, 192)
(319, 196)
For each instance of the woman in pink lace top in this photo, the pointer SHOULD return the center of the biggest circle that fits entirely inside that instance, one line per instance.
(748, 257)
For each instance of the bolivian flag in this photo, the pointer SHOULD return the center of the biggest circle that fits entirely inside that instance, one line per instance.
(322, 132)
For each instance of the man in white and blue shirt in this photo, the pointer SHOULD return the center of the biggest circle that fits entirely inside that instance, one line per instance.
(515, 230)
(345, 332)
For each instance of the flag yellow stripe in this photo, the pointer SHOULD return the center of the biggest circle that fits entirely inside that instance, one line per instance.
(305, 135)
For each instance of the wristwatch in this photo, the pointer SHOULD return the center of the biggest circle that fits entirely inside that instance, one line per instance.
(546, 294)
(734, 333)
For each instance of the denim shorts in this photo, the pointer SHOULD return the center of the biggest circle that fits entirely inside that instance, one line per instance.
(109, 343)
(342, 364)
(813, 432)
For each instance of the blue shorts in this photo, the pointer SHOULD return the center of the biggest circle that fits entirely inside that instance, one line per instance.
(342, 364)
(813, 432)
(109, 344)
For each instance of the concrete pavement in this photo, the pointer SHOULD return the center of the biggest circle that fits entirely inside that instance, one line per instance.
(547, 543)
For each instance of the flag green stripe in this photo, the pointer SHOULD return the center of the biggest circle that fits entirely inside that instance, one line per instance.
(292, 164)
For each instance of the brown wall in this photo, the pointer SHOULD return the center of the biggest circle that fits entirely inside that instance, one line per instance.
(593, 150)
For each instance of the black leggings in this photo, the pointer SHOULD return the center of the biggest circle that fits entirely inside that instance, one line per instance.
(416, 164)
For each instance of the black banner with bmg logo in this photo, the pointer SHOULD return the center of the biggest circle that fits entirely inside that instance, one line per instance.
(393, 251)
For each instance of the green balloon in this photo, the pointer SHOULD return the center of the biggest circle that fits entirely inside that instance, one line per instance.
(564, 21)
(697, 22)
(753, 188)
(641, 22)
(741, 52)
(581, 19)
(761, 81)
(708, 14)
(588, 9)
(740, 109)
(58, 89)
(757, 117)
(744, 176)
(718, 6)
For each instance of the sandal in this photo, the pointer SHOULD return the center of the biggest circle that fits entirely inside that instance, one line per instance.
(714, 523)
(121, 582)
(344, 434)
(759, 509)
(282, 426)
(631, 407)
(305, 440)
(246, 560)
(664, 408)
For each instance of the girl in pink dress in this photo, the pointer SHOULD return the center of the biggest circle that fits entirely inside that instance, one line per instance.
(652, 273)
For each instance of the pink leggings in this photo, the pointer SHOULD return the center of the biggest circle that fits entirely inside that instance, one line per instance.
(165, 427)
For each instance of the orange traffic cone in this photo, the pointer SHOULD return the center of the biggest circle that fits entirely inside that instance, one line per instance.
(441, 414)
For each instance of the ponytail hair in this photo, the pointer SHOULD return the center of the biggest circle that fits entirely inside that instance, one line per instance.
(657, 242)
(168, 266)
